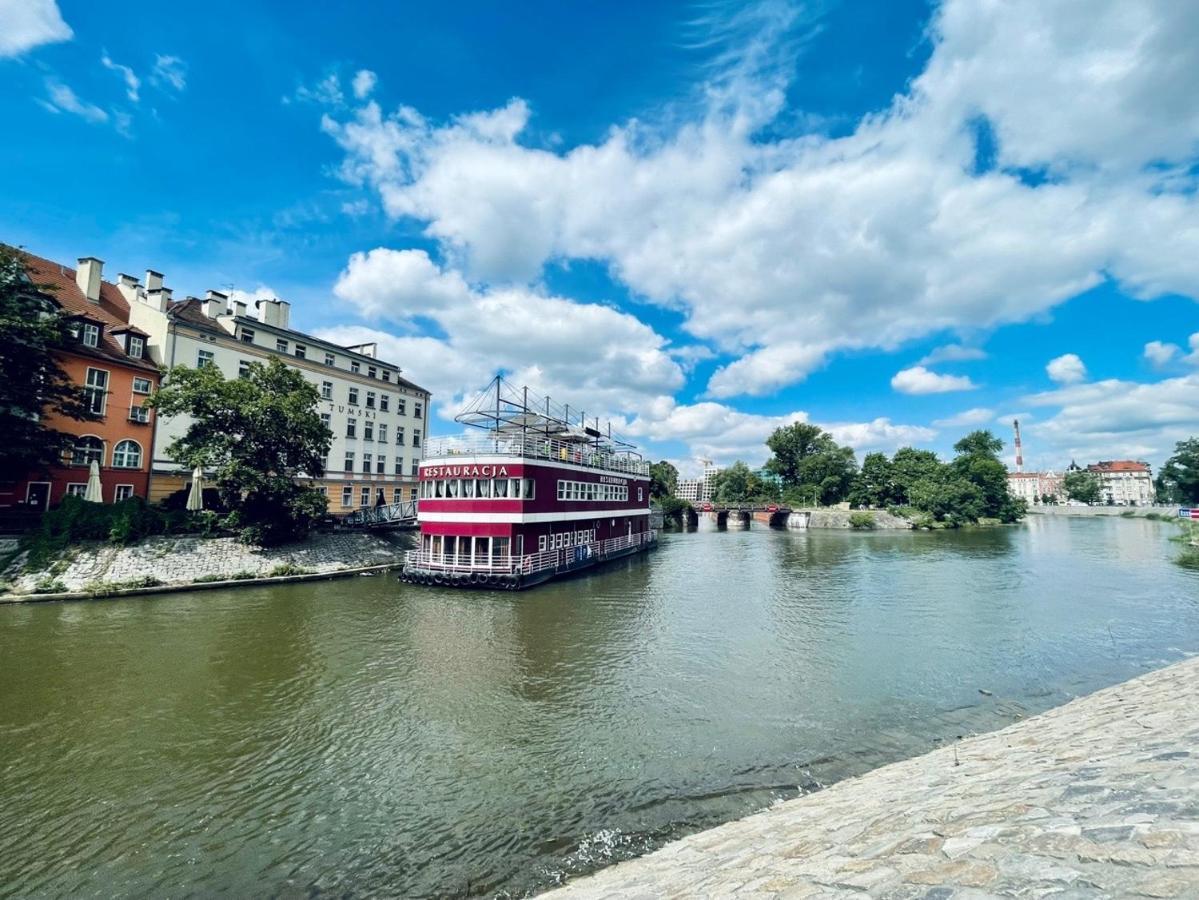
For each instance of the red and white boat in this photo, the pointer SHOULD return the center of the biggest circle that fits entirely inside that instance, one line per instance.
(531, 492)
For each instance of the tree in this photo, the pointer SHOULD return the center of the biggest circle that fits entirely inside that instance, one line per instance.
(874, 485)
(908, 466)
(32, 383)
(948, 497)
(1083, 487)
(737, 484)
(664, 479)
(260, 433)
(1178, 480)
(806, 457)
(979, 443)
(977, 462)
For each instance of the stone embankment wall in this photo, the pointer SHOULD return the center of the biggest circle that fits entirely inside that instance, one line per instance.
(839, 518)
(182, 560)
(1138, 511)
(1097, 798)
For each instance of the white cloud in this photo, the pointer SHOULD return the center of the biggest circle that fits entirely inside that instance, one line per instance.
(1066, 369)
(25, 24)
(978, 415)
(326, 92)
(169, 71)
(783, 251)
(953, 353)
(62, 99)
(132, 82)
(1159, 353)
(919, 380)
(364, 82)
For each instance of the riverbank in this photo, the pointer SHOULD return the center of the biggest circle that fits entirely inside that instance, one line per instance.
(173, 563)
(1096, 798)
(1127, 512)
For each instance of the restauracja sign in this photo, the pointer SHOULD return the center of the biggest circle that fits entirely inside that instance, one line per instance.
(464, 471)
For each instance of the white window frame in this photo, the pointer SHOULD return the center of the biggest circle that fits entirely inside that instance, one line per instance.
(140, 454)
(281, 345)
(205, 358)
(116, 493)
(149, 385)
(75, 489)
(326, 390)
(137, 346)
(330, 359)
(100, 389)
(29, 491)
(347, 496)
(91, 334)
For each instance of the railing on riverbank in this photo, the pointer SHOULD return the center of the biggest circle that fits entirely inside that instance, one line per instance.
(391, 514)
(559, 559)
(534, 447)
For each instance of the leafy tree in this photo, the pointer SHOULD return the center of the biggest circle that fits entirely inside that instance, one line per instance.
(874, 485)
(32, 383)
(664, 479)
(807, 457)
(977, 462)
(1083, 487)
(948, 498)
(260, 433)
(979, 443)
(908, 466)
(1178, 480)
(737, 484)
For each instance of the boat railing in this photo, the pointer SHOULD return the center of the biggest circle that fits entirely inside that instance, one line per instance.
(535, 447)
(559, 558)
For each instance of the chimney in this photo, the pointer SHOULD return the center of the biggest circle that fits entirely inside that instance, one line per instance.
(239, 308)
(87, 276)
(159, 298)
(284, 314)
(153, 280)
(1019, 449)
(215, 304)
(273, 312)
(128, 286)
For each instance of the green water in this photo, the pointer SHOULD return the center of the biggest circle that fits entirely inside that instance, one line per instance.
(368, 738)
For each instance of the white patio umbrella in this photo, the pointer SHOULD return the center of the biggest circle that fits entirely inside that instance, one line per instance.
(94, 492)
(195, 497)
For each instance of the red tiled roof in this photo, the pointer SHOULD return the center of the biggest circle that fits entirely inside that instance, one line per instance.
(1118, 465)
(58, 283)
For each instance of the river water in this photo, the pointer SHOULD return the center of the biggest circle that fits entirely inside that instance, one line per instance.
(369, 738)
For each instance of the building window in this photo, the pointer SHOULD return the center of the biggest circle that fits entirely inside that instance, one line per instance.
(136, 346)
(365, 496)
(399, 465)
(401, 406)
(415, 466)
(351, 428)
(301, 351)
(382, 432)
(366, 463)
(243, 368)
(88, 450)
(326, 390)
(400, 435)
(122, 492)
(96, 389)
(639, 496)
(330, 359)
(76, 490)
(91, 335)
(416, 439)
(127, 455)
(347, 496)
(387, 375)
(349, 467)
(327, 420)
(397, 494)
(368, 430)
(416, 410)
(354, 367)
(353, 401)
(142, 386)
(370, 399)
(281, 345)
(381, 465)
(204, 359)
(384, 402)
(412, 493)
(247, 335)
(372, 372)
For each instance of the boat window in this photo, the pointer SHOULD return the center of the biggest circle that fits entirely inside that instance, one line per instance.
(482, 550)
(452, 487)
(501, 487)
(437, 545)
(514, 487)
(483, 488)
(528, 492)
(541, 543)
(499, 549)
(439, 488)
(451, 545)
(468, 487)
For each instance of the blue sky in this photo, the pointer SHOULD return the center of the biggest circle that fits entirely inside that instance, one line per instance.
(899, 220)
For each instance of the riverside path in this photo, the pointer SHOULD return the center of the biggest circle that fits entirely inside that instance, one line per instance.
(1097, 798)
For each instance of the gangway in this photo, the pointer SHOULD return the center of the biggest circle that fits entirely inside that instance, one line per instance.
(391, 515)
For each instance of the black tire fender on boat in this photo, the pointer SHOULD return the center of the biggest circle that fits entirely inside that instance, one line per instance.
(438, 579)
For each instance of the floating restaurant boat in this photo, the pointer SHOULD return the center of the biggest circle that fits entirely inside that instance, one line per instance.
(531, 492)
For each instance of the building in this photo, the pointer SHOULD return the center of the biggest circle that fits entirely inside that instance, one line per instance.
(377, 417)
(1033, 486)
(689, 489)
(111, 363)
(1124, 482)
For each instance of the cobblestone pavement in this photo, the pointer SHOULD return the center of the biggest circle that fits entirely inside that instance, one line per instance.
(1097, 798)
(182, 560)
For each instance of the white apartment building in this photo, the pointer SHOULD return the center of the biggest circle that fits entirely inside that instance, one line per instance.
(1032, 486)
(1124, 482)
(378, 418)
(688, 489)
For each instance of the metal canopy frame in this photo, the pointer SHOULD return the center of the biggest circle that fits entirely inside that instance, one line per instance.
(501, 408)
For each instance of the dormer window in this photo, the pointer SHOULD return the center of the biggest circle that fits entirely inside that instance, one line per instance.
(355, 367)
(91, 335)
(136, 346)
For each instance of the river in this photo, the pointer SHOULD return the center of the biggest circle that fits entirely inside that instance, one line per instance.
(367, 738)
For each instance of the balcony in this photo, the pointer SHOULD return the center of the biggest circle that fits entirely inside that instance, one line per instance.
(533, 447)
(139, 415)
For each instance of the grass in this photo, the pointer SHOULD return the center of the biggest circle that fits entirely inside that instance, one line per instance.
(49, 585)
(287, 569)
(862, 520)
(243, 575)
(1189, 557)
(108, 588)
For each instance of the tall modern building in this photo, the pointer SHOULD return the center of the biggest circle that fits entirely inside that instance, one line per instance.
(377, 417)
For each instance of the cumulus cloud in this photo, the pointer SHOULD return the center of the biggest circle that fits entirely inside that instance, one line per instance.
(953, 353)
(364, 83)
(783, 251)
(978, 415)
(132, 82)
(1159, 353)
(60, 98)
(169, 72)
(919, 380)
(25, 24)
(1066, 369)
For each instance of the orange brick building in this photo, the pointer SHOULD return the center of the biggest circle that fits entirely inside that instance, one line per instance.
(110, 362)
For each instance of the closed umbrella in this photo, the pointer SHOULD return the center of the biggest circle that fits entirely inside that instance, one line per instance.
(195, 497)
(94, 492)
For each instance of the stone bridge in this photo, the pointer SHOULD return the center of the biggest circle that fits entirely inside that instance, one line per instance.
(733, 515)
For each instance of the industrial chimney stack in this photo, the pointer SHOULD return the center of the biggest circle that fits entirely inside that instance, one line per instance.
(1019, 449)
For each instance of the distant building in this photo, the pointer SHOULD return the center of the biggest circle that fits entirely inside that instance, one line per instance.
(689, 489)
(1124, 482)
(698, 490)
(1032, 487)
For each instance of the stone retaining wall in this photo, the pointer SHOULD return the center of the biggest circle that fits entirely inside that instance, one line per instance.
(1097, 798)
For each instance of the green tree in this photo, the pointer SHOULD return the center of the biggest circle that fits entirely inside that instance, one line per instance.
(1178, 480)
(874, 485)
(977, 462)
(979, 443)
(737, 484)
(1084, 487)
(260, 434)
(948, 497)
(908, 466)
(32, 383)
(806, 457)
(664, 479)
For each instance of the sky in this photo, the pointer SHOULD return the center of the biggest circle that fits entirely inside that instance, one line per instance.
(898, 220)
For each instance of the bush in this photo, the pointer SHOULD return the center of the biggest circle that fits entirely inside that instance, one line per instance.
(1189, 557)
(861, 520)
(108, 588)
(49, 585)
(287, 569)
(243, 575)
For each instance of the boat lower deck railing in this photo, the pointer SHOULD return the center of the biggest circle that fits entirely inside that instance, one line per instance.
(561, 558)
(533, 447)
